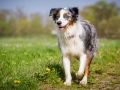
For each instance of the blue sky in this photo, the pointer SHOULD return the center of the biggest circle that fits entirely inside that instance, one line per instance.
(43, 6)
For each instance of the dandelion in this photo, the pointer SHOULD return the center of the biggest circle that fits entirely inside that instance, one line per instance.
(48, 69)
(59, 79)
(17, 81)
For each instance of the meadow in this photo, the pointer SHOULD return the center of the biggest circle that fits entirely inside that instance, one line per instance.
(34, 63)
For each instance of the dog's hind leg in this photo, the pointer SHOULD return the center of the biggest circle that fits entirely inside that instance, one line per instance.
(84, 80)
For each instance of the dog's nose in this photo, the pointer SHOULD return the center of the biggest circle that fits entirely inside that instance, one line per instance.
(59, 22)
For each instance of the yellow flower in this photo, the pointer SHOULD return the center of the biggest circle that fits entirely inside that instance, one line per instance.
(17, 81)
(48, 69)
(59, 79)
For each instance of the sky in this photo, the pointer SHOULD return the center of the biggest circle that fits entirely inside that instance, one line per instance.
(44, 6)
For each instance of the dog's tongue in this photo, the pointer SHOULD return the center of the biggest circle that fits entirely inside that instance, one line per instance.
(62, 28)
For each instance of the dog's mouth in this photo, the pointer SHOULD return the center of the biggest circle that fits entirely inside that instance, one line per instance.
(63, 27)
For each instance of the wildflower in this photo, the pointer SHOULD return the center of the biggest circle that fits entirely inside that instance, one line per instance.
(48, 69)
(17, 81)
(59, 79)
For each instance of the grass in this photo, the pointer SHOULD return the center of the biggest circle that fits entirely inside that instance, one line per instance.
(35, 63)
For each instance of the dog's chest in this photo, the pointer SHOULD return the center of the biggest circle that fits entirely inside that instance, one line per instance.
(72, 46)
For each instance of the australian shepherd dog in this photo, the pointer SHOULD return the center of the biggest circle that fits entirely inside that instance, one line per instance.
(76, 39)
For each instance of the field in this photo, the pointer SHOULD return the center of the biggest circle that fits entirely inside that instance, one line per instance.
(34, 63)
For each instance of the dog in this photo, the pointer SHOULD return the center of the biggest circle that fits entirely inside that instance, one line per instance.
(76, 39)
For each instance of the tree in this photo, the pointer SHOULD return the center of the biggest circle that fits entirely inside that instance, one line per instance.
(22, 27)
(49, 24)
(4, 26)
(4, 29)
(12, 23)
(100, 14)
(35, 25)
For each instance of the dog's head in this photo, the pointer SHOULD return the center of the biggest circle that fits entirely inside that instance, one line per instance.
(64, 17)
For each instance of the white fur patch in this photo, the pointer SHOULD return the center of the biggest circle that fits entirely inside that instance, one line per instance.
(62, 19)
(82, 65)
(84, 80)
(66, 63)
(83, 59)
(71, 46)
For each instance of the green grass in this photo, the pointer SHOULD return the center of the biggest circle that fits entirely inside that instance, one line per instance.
(23, 63)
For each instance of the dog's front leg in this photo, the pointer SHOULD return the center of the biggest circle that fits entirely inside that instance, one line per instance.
(82, 65)
(66, 63)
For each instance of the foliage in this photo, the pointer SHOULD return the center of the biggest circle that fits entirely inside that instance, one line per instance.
(105, 17)
(19, 24)
(4, 28)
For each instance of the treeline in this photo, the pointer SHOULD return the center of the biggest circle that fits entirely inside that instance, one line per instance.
(105, 16)
(18, 23)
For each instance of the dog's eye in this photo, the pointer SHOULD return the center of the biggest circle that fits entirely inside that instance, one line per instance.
(66, 16)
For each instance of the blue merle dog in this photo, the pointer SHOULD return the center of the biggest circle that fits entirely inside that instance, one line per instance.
(76, 39)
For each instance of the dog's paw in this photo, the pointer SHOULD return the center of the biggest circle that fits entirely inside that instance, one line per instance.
(83, 82)
(67, 83)
(79, 75)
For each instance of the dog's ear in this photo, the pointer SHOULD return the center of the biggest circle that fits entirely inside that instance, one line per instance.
(52, 11)
(74, 10)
